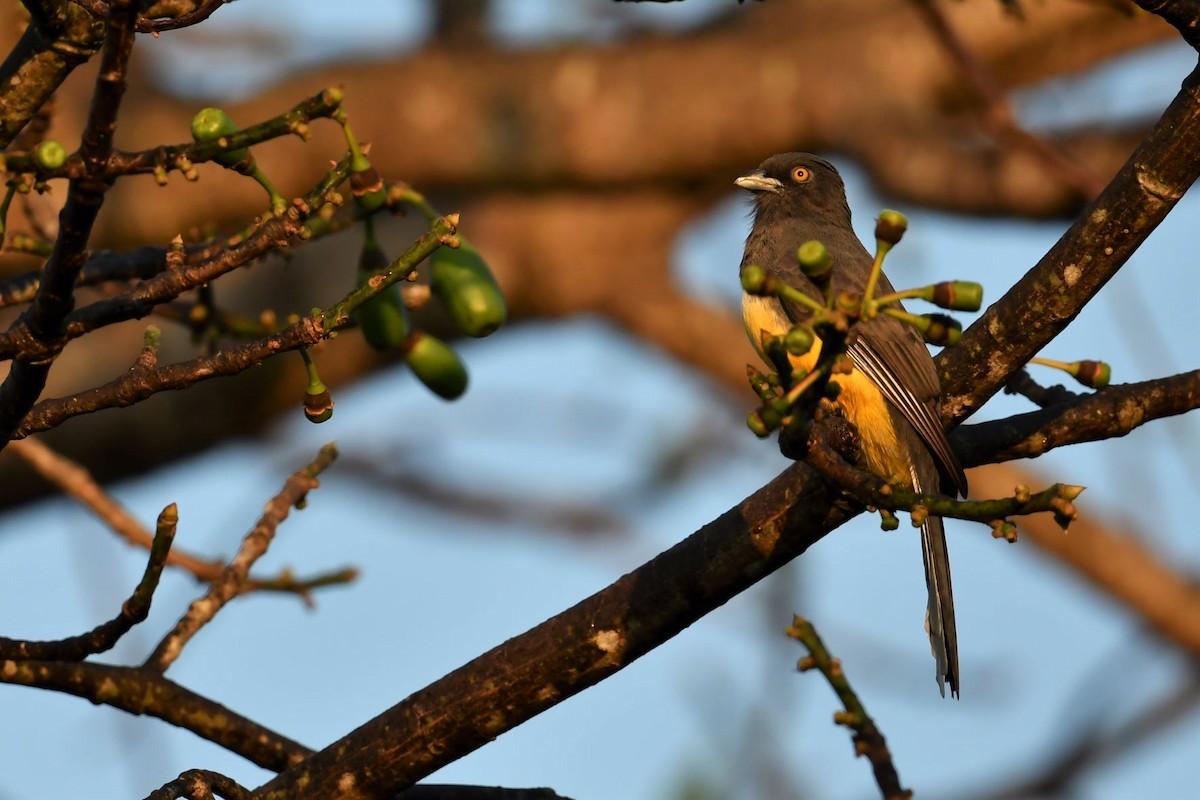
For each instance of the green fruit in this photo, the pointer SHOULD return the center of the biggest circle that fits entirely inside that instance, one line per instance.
(941, 330)
(383, 319)
(958, 295)
(799, 340)
(1093, 374)
(890, 226)
(464, 285)
(754, 278)
(436, 365)
(367, 185)
(318, 407)
(50, 155)
(209, 125)
(814, 259)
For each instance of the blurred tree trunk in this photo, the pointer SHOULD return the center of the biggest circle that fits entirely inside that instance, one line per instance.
(612, 147)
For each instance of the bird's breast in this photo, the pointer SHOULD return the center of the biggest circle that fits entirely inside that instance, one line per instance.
(863, 403)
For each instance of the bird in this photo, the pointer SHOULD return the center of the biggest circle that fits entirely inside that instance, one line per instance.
(893, 393)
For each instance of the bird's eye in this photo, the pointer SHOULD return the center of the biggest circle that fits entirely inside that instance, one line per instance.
(801, 174)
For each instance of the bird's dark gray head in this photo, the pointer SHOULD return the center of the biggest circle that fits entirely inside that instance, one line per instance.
(797, 186)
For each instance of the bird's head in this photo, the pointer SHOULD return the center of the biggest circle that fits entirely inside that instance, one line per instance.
(797, 185)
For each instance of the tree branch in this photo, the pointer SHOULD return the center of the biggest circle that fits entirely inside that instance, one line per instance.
(75, 480)
(104, 637)
(868, 739)
(230, 584)
(1100, 241)
(145, 692)
(576, 649)
(55, 295)
(1109, 413)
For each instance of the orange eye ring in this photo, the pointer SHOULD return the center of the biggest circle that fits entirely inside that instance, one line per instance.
(802, 174)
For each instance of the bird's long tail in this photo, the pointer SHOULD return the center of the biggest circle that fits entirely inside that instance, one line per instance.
(939, 614)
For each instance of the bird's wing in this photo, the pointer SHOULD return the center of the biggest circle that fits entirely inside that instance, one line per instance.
(894, 356)
(900, 366)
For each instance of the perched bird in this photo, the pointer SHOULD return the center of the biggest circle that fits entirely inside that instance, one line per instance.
(892, 394)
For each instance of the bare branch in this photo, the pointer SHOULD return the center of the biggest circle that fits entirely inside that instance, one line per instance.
(868, 739)
(1098, 244)
(229, 586)
(577, 648)
(104, 637)
(145, 380)
(75, 480)
(165, 15)
(1109, 413)
(55, 296)
(145, 692)
(199, 784)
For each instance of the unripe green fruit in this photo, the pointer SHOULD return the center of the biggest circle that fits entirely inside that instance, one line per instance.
(958, 295)
(209, 125)
(941, 330)
(366, 185)
(753, 278)
(318, 407)
(890, 226)
(814, 260)
(435, 365)
(799, 340)
(758, 425)
(1093, 374)
(50, 155)
(464, 285)
(383, 319)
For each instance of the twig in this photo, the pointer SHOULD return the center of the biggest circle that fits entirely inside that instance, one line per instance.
(202, 10)
(74, 479)
(297, 487)
(1111, 412)
(200, 784)
(872, 490)
(577, 648)
(868, 739)
(165, 158)
(1023, 384)
(54, 299)
(142, 263)
(60, 38)
(145, 692)
(136, 385)
(442, 791)
(271, 232)
(104, 636)
(1097, 245)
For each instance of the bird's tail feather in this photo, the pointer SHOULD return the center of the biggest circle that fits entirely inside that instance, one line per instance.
(939, 614)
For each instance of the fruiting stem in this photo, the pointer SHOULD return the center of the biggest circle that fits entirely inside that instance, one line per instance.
(1049, 362)
(881, 250)
(315, 384)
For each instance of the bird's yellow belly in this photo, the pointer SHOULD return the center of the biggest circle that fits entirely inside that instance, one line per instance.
(863, 403)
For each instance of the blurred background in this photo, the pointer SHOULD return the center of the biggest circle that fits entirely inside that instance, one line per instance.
(591, 147)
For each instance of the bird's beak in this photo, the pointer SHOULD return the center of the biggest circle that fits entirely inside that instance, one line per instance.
(758, 182)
